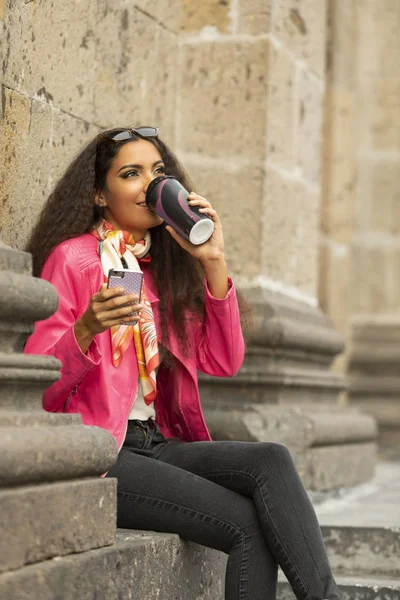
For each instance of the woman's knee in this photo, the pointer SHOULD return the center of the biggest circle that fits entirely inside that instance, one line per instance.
(273, 453)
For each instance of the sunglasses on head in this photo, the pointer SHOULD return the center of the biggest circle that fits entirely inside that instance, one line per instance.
(127, 134)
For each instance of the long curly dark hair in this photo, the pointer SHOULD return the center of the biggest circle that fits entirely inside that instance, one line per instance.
(71, 211)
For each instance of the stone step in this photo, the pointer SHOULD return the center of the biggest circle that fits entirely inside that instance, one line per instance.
(139, 566)
(152, 566)
(354, 588)
(366, 551)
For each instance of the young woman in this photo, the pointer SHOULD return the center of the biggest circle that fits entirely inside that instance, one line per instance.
(140, 381)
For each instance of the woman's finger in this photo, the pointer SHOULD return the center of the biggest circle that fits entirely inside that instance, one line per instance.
(118, 313)
(208, 211)
(115, 302)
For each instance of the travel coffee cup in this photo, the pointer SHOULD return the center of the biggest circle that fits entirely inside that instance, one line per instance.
(169, 199)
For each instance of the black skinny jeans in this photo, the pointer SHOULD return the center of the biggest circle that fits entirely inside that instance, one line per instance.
(245, 499)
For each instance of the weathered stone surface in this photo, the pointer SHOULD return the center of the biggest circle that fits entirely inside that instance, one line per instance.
(24, 378)
(42, 34)
(55, 453)
(367, 550)
(334, 280)
(163, 98)
(342, 41)
(23, 300)
(12, 260)
(374, 372)
(310, 96)
(301, 27)
(237, 196)
(355, 588)
(340, 427)
(378, 25)
(2, 44)
(281, 108)
(141, 565)
(338, 216)
(15, 418)
(293, 210)
(273, 384)
(127, 74)
(138, 72)
(378, 207)
(69, 135)
(56, 519)
(254, 16)
(306, 241)
(24, 136)
(380, 114)
(375, 277)
(284, 324)
(340, 465)
(208, 13)
(168, 12)
(228, 80)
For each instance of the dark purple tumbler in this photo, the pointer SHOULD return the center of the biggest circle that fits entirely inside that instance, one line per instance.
(169, 199)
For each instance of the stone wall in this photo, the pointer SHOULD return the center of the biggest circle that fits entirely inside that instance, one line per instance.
(236, 87)
(257, 72)
(70, 70)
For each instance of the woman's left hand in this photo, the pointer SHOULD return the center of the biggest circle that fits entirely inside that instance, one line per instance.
(211, 250)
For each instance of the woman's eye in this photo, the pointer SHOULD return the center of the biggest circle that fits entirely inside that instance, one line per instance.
(129, 174)
(160, 170)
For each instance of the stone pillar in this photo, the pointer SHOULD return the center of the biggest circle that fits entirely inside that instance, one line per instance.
(360, 247)
(374, 357)
(255, 151)
(53, 501)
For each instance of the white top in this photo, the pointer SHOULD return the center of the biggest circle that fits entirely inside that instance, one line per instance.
(140, 410)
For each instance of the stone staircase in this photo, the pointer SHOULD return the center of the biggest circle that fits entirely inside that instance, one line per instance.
(362, 535)
(361, 528)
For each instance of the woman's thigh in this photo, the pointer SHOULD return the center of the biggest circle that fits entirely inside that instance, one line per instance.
(235, 465)
(158, 496)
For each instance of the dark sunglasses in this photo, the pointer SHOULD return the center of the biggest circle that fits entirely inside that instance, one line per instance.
(127, 134)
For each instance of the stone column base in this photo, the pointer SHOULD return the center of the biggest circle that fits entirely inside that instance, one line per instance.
(53, 501)
(286, 392)
(374, 371)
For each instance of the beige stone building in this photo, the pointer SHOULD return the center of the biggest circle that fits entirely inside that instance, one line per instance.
(286, 115)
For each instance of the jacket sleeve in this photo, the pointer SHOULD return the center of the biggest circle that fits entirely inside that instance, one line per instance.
(219, 343)
(55, 336)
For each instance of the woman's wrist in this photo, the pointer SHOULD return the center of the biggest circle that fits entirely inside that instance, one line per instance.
(83, 335)
(216, 272)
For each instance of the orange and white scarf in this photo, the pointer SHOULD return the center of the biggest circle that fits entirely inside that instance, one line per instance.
(118, 248)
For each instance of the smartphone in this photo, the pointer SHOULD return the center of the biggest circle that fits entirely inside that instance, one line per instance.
(128, 279)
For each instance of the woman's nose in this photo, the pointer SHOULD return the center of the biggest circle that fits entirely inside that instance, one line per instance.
(148, 180)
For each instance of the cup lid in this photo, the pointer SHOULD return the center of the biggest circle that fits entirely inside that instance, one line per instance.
(201, 231)
(155, 181)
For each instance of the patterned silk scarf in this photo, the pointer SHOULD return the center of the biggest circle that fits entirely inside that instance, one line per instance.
(118, 248)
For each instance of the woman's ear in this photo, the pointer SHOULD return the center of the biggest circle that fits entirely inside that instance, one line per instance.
(99, 199)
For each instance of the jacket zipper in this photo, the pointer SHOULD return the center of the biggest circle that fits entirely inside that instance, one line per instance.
(68, 400)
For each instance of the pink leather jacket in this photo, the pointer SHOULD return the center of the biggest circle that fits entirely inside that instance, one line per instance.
(104, 395)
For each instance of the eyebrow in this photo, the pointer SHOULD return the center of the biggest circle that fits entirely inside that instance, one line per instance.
(158, 162)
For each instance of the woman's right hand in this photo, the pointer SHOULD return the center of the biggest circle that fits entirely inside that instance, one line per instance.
(106, 309)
